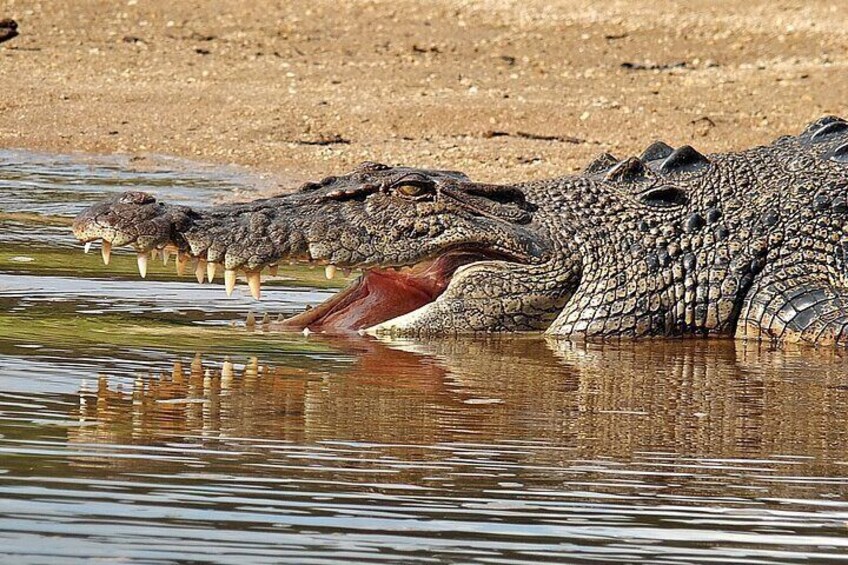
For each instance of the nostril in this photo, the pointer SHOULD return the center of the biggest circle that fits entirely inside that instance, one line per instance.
(137, 198)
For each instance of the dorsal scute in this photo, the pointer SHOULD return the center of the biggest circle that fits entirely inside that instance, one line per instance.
(828, 130)
(629, 170)
(685, 158)
(657, 150)
(818, 124)
(600, 164)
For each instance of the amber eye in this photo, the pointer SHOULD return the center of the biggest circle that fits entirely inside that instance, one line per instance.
(414, 190)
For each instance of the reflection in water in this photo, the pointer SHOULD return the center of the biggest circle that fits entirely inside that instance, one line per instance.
(697, 398)
(511, 449)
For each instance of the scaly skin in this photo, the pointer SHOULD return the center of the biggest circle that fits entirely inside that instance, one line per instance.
(751, 244)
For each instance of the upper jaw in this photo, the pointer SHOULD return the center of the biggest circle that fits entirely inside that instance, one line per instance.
(226, 238)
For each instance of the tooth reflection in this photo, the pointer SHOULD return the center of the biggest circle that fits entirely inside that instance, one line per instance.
(182, 261)
(227, 374)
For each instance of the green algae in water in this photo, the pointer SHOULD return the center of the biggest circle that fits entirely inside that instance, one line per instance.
(66, 331)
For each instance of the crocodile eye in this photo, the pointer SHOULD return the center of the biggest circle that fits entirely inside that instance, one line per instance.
(415, 190)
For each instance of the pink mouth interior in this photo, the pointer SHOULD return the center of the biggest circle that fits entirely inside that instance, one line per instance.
(383, 294)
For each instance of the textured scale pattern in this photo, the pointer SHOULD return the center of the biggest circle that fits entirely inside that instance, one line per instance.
(752, 244)
(756, 245)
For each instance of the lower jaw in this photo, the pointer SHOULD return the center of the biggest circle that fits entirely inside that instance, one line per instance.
(381, 295)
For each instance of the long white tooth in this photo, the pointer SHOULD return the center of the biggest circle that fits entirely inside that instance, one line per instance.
(254, 280)
(229, 281)
(200, 270)
(88, 246)
(106, 252)
(330, 271)
(142, 264)
(211, 268)
(166, 254)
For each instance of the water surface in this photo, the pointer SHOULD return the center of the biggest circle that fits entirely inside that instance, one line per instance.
(142, 422)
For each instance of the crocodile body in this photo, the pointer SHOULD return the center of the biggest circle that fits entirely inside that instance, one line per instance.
(752, 244)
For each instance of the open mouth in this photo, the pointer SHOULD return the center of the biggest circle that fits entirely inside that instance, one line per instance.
(382, 294)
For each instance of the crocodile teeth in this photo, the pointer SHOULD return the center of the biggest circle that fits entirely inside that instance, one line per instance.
(88, 246)
(200, 270)
(182, 260)
(166, 254)
(106, 252)
(273, 270)
(211, 268)
(229, 281)
(227, 371)
(142, 264)
(250, 322)
(330, 271)
(255, 282)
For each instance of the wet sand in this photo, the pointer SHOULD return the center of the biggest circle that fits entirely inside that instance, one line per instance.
(503, 90)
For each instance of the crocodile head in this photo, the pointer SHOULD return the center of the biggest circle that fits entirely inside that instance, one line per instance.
(416, 234)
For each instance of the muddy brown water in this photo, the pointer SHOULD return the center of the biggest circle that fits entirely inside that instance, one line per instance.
(141, 422)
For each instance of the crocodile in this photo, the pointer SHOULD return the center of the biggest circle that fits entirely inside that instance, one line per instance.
(672, 243)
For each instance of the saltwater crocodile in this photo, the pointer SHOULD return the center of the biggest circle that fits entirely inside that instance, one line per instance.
(751, 244)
